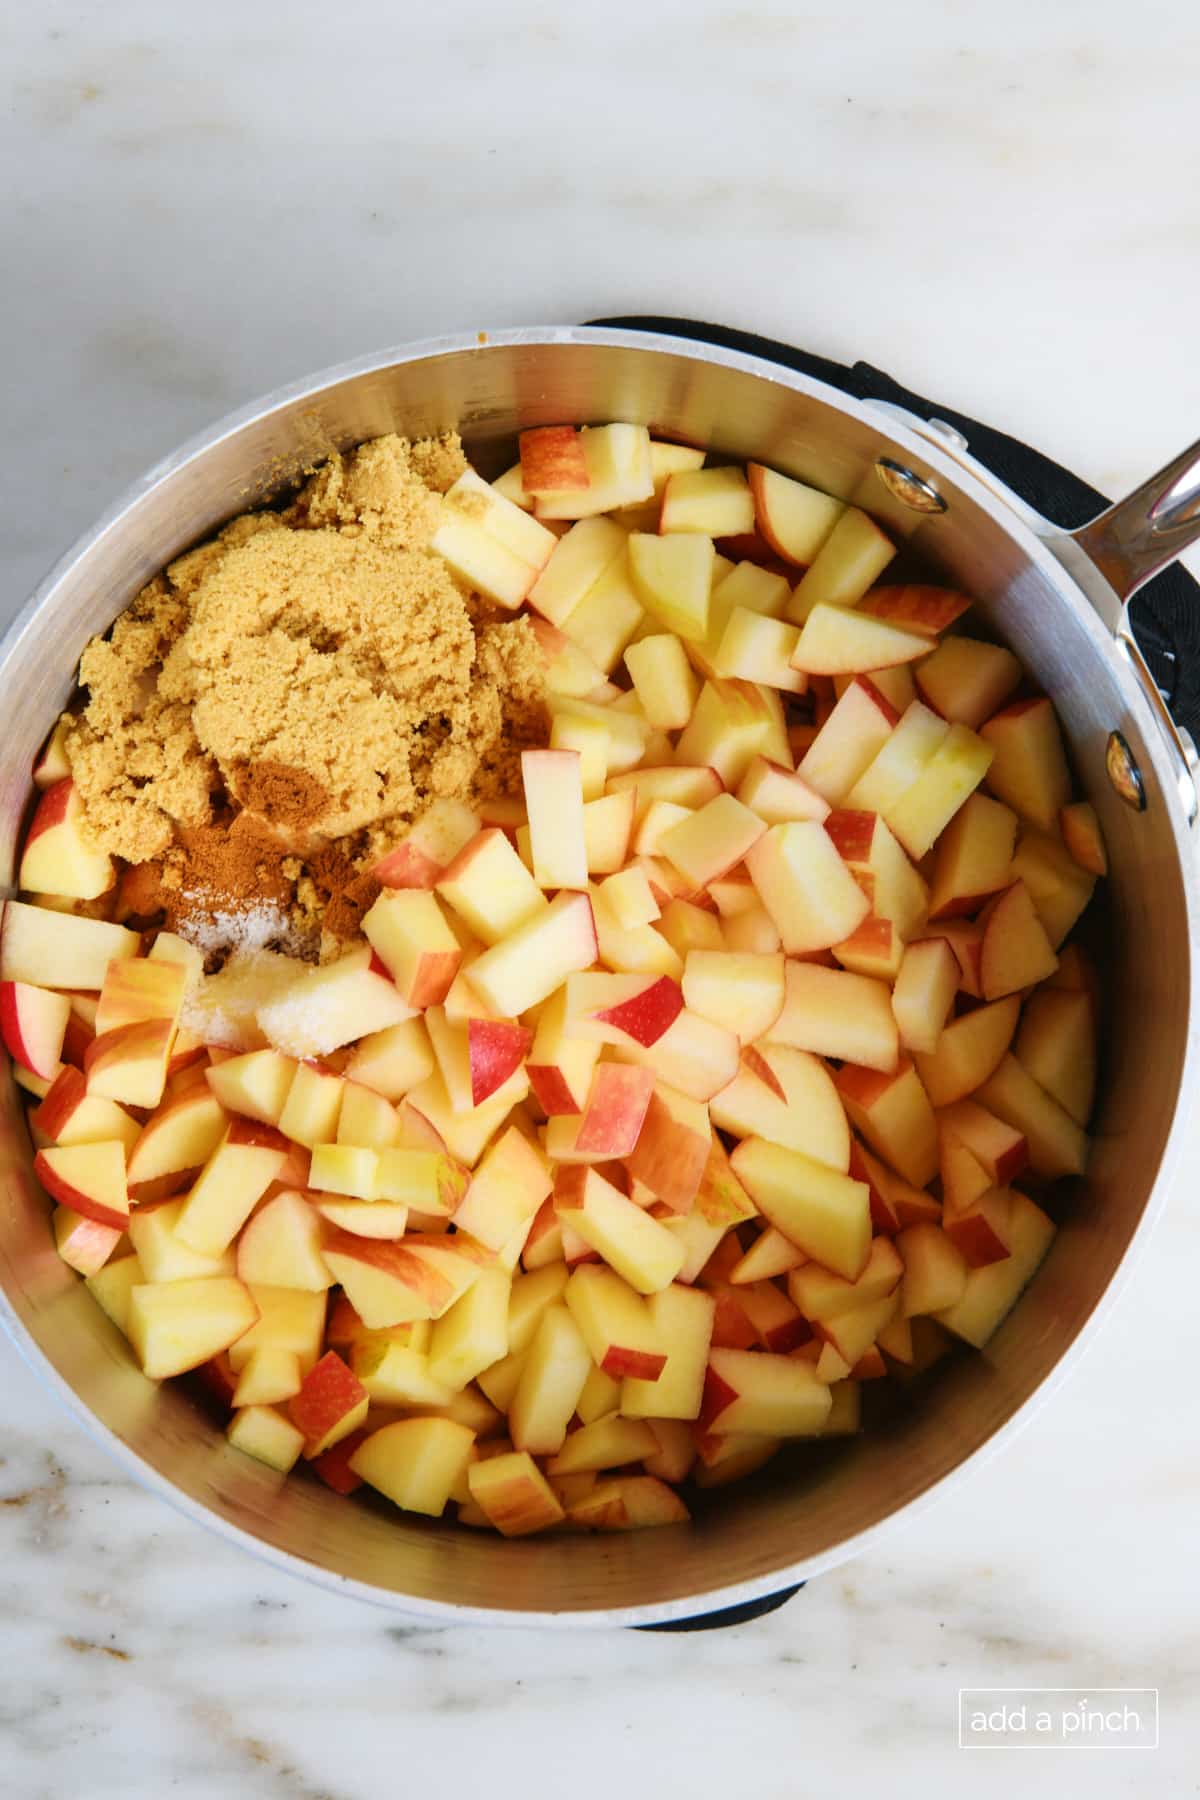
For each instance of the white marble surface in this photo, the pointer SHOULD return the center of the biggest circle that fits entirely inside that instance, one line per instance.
(994, 203)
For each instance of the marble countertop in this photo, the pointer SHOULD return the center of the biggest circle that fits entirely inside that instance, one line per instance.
(987, 201)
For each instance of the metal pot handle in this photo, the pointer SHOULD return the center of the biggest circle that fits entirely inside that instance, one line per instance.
(1133, 540)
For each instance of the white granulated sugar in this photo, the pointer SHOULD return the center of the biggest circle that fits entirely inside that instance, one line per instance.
(223, 1008)
(250, 928)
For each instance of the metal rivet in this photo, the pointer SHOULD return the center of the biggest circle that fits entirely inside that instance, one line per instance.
(1124, 773)
(909, 487)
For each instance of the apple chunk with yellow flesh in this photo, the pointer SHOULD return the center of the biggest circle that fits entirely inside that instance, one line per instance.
(83, 1244)
(616, 1323)
(553, 785)
(809, 893)
(834, 1012)
(990, 1293)
(130, 1064)
(141, 989)
(58, 858)
(64, 950)
(794, 519)
(968, 1050)
(968, 680)
(1015, 953)
(823, 1212)
(1057, 1046)
(513, 1494)
(281, 1246)
(255, 1084)
(331, 1403)
(683, 1319)
(972, 857)
(416, 1463)
(851, 557)
(894, 1115)
(1029, 768)
(527, 967)
(234, 1179)
(489, 888)
(619, 1008)
(33, 1023)
(177, 1325)
(607, 1443)
(408, 931)
(1057, 1145)
(635, 1245)
(89, 1179)
(788, 1097)
(68, 1114)
(849, 741)
(555, 1368)
(673, 1147)
(924, 993)
(505, 1191)
(752, 1391)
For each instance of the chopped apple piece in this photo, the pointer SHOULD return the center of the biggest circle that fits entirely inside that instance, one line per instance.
(833, 1012)
(281, 1246)
(728, 728)
(83, 1244)
(788, 1097)
(823, 1212)
(70, 1115)
(1057, 1145)
(506, 1190)
(489, 887)
(853, 555)
(58, 857)
(693, 1055)
(177, 1325)
(260, 1431)
(778, 795)
(899, 763)
(952, 773)
(256, 1084)
(635, 1245)
(924, 994)
(1000, 1148)
(416, 1463)
(408, 931)
(555, 1368)
(579, 559)
(849, 740)
(552, 459)
(540, 954)
(769, 1255)
(774, 1396)
(1029, 768)
(130, 1064)
(1015, 952)
(1056, 1044)
(233, 1180)
(968, 1051)
(62, 950)
(794, 519)
(707, 844)
(717, 502)
(673, 576)
(743, 993)
(682, 1319)
(608, 830)
(894, 1115)
(972, 857)
(821, 1295)
(663, 680)
(630, 899)
(935, 1270)
(1084, 839)
(88, 1179)
(991, 1292)
(33, 1023)
(619, 474)
(1058, 887)
(811, 896)
(917, 606)
(433, 842)
(617, 1324)
(966, 681)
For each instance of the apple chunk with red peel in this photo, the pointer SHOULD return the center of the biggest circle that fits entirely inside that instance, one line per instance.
(425, 851)
(130, 1064)
(33, 1023)
(513, 1493)
(1000, 1148)
(752, 1391)
(70, 1115)
(1083, 837)
(709, 842)
(332, 1403)
(823, 1212)
(779, 795)
(140, 989)
(616, 1323)
(1057, 1145)
(552, 460)
(177, 1325)
(682, 1319)
(408, 931)
(496, 1048)
(560, 1065)
(619, 1009)
(794, 519)
(990, 1293)
(89, 1179)
(836, 640)
(673, 1149)
(935, 1270)
(810, 894)
(281, 1246)
(613, 1117)
(918, 606)
(83, 1245)
(58, 858)
(894, 1115)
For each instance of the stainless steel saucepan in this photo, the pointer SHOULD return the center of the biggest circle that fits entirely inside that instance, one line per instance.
(1057, 599)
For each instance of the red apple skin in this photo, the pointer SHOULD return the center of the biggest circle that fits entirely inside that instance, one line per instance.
(647, 1015)
(329, 1391)
(11, 1030)
(852, 833)
(552, 460)
(218, 1379)
(333, 1466)
(757, 1064)
(787, 1336)
(616, 1110)
(395, 1259)
(67, 1092)
(718, 1396)
(51, 809)
(973, 1236)
(495, 1048)
(643, 1365)
(916, 606)
(732, 1330)
(883, 1216)
(406, 867)
(550, 1089)
(86, 1205)
(433, 978)
(752, 546)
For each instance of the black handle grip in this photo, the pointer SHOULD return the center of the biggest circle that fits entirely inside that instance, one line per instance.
(1165, 614)
(730, 1615)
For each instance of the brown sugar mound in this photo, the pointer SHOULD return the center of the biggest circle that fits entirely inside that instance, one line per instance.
(318, 668)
